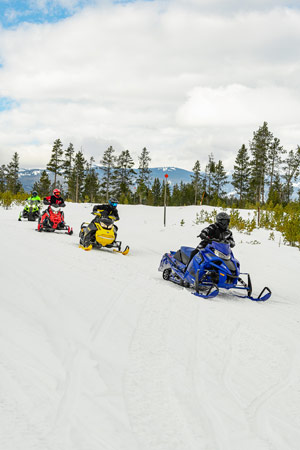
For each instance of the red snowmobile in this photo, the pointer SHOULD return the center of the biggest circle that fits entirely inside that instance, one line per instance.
(53, 220)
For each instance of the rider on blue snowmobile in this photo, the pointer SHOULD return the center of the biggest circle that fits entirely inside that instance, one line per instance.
(218, 230)
(211, 266)
(104, 210)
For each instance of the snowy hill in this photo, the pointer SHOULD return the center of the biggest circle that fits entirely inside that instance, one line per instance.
(98, 352)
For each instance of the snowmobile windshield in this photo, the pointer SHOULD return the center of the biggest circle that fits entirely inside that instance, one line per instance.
(107, 226)
(55, 210)
(221, 250)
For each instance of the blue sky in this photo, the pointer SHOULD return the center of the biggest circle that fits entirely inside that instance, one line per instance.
(14, 12)
(6, 103)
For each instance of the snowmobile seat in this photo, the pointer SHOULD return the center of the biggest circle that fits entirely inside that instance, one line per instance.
(184, 254)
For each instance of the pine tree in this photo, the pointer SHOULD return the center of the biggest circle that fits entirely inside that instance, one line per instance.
(56, 162)
(108, 164)
(291, 170)
(68, 163)
(276, 191)
(241, 174)
(156, 192)
(123, 175)
(274, 160)
(176, 196)
(143, 180)
(196, 179)
(43, 185)
(13, 183)
(150, 199)
(77, 178)
(2, 178)
(209, 174)
(91, 183)
(219, 180)
(260, 146)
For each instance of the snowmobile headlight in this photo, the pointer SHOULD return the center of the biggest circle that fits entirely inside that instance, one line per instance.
(221, 255)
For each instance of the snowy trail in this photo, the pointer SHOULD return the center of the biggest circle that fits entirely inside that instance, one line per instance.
(98, 352)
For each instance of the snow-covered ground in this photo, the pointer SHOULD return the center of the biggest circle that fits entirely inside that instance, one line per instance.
(98, 352)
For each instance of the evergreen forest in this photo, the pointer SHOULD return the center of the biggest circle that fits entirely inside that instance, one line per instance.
(264, 177)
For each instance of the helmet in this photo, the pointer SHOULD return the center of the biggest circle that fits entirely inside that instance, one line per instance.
(113, 202)
(34, 193)
(223, 219)
(56, 193)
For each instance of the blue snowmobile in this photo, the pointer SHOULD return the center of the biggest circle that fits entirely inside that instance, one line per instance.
(207, 271)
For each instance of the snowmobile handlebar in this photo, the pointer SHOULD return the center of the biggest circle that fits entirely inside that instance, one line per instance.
(54, 205)
(221, 241)
(104, 215)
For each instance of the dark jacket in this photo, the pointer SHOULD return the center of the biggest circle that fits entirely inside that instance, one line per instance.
(214, 231)
(107, 210)
(52, 200)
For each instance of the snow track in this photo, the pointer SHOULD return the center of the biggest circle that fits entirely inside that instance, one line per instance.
(97, 352)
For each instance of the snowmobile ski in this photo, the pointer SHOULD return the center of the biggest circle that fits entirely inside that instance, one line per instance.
(86, 248)
(260, 298)
(124, 252)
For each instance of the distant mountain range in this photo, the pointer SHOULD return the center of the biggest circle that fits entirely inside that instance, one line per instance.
(175, 175)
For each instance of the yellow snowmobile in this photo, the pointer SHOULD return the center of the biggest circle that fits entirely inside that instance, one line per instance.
(105, 233)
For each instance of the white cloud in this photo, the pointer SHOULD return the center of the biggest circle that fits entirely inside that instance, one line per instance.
(182, 78)
(237, 105)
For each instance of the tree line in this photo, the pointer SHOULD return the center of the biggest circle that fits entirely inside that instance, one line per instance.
(263, 172)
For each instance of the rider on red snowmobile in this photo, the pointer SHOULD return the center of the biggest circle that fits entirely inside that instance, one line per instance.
(54, 199)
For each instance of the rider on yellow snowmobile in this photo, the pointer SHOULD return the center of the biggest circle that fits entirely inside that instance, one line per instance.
(100, 211)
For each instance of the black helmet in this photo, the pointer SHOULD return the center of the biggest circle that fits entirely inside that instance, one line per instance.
(223, 219)
(34, 193)
(113, 202)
